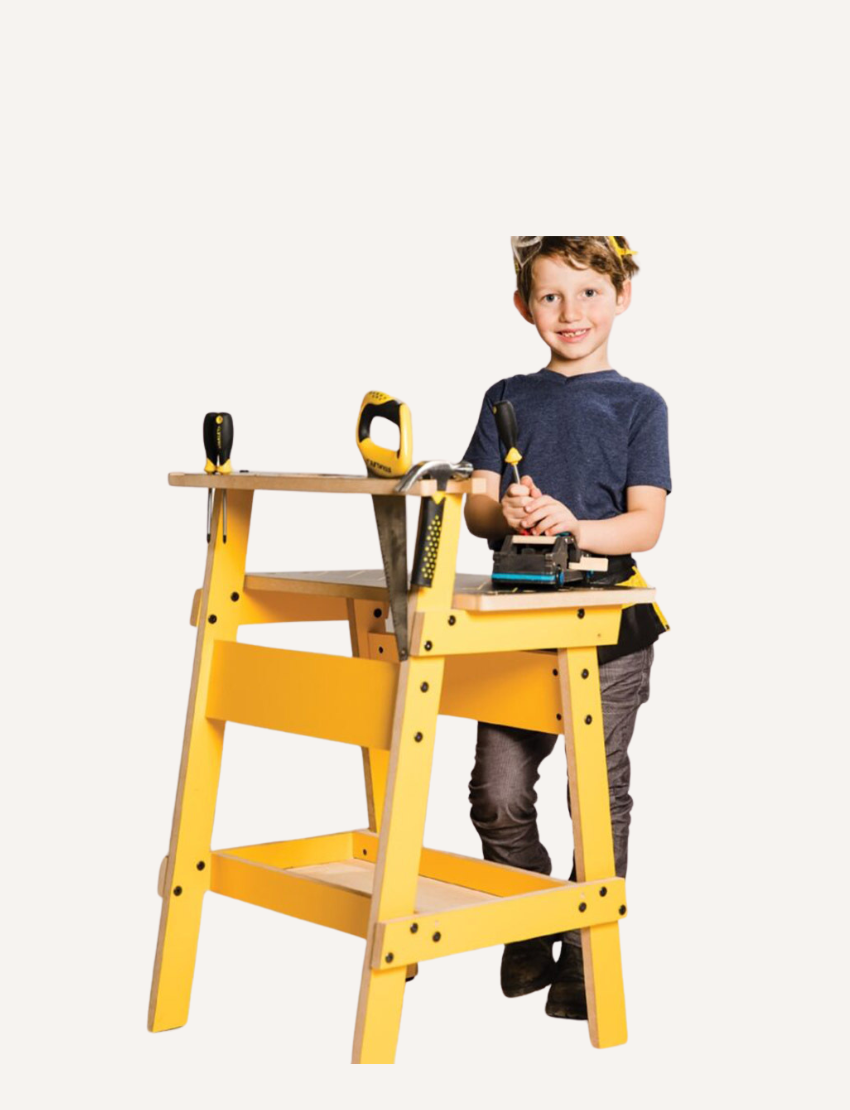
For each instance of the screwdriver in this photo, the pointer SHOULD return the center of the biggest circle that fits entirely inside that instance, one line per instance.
(218, 443)
(508, 433)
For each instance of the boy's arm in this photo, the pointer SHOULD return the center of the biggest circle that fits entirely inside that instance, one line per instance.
(490, 518)
(483, 511)
(637, 529)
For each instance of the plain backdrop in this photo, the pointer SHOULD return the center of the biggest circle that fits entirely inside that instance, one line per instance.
(271, 209)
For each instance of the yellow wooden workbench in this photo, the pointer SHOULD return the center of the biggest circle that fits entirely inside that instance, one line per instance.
(473, 653)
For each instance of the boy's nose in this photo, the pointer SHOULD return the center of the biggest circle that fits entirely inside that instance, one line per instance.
(570, 311)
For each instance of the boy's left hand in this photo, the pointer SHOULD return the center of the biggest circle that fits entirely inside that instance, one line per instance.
(544, 516)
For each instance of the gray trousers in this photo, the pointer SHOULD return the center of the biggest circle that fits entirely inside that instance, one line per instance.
(507, 761)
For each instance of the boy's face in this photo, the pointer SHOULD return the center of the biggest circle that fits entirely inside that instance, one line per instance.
(573, 310)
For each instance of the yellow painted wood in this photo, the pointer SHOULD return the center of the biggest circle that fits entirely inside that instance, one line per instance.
(594, 846)
(328, 696)
(399, 848)
(400, 843)
(296, 895)
(498, 922)
(268, 607)
(296, 853)
(511, 688)
(476, 874)
(515, 688)
(367, 619)
(476, 633)
(188, 867)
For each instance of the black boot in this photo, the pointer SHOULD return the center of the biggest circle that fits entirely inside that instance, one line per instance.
(567, 998)
(527, 966)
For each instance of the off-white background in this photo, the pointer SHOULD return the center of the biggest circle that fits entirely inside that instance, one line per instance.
(272, 208)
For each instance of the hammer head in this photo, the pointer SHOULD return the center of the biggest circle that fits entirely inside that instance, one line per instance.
(439, 469)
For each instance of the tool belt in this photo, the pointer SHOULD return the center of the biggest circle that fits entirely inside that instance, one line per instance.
(640, 625)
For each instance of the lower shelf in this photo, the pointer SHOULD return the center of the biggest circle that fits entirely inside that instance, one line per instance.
(461, 903)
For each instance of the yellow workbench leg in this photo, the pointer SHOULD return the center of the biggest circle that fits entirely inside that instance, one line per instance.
(594, 846)
(365, 617)
(187, 867)
(402, 824)
(399, 851)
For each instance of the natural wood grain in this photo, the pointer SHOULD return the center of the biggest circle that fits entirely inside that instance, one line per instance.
(319, 483)
(471, 591)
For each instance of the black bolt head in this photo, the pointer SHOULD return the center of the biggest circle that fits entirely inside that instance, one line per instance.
(582, 906)
(588, 720)
(378, 613)
(558, 715)
(603, 890)
(212, 618)
(424, 687)
(418, 737)
(178, 890)
(452, 620)
(436, 937)
(585, 673)
(580, 614)
(622, 910)
(234, 596)
(414, 928)
(428, 645)
(200, 865)
(555, 673)
(389, 957)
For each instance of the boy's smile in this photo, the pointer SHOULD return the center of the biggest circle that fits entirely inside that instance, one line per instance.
(573, 311)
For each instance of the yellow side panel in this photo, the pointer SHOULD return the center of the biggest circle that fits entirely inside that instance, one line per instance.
(296, 895)
(514, 688)
(474, 633)
(330, 696)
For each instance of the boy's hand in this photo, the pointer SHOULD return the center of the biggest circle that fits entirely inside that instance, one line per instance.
(515, 501)
(544, 516)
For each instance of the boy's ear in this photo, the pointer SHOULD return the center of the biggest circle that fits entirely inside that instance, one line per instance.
(522, 307)
(625, 298)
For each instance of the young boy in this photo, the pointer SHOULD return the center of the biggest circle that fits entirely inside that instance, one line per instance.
(595, 463)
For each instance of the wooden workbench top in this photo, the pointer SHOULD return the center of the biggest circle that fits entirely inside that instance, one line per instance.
(472, 591)
(318, 483)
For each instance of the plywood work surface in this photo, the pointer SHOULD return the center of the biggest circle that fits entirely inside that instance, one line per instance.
(355, 874)
(318, 483)
(472, 591)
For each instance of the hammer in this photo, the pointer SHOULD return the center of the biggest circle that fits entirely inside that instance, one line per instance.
(431, 513)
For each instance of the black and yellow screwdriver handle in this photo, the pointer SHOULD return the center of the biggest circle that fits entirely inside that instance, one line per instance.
(384, 462)
(218, 442)
(506, 423)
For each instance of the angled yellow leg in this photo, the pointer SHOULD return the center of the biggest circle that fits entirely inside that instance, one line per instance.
(594, 845)
(365, 617)
(399, 851)
(402, 824)
(187, 868)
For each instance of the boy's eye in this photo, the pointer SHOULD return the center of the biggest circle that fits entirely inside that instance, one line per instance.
(592, 292)
(549, 297)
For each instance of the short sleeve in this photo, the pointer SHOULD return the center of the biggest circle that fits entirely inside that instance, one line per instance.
(649, 455)
(484, 449)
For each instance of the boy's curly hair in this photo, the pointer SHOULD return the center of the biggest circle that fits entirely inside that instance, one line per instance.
(607, 254)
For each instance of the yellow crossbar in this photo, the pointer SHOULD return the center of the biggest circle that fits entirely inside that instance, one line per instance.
(498, 879)
(297, 895)
(329, 696)
(475, 633)
(408, 940)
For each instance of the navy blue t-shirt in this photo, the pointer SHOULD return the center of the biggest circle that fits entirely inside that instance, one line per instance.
(584, 440)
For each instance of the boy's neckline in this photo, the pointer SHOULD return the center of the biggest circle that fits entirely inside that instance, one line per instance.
(576, 377)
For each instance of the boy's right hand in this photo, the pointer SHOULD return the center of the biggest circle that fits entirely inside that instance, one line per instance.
(517, 496)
